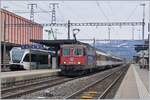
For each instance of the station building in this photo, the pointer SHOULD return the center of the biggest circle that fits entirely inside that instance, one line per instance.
(16, 30)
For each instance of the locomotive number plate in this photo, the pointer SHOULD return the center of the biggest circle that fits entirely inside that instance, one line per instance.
(71, 62)
(71, 59)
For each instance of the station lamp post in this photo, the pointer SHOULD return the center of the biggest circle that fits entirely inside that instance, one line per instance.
(149, 43)
(143, 19)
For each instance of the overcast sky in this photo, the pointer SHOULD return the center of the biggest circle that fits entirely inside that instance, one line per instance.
(87, 11)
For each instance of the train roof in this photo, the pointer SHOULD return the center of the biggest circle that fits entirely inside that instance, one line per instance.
(56, 42)
(115, 57)
(101, 53)
(75, 45)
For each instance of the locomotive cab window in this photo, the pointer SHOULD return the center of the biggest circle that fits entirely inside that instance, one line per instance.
(66, 51)
(78, 51)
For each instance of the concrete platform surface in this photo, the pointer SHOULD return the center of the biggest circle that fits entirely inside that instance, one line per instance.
(144, 76)
(28, 74)
(132, 86)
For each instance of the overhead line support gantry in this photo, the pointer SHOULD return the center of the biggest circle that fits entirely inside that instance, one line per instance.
(69, 24)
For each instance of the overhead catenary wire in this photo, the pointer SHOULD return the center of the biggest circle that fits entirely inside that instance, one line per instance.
(132, 13)
(61, 14)
(74, 13)
(44, 17)
(110, 7)
(130, 16)
(100, 8)
(113, 14)
(23, 4)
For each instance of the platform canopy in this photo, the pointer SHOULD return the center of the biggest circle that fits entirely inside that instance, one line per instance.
(56, 43)
(8, 45)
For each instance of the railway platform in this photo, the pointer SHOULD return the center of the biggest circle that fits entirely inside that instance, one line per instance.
(14, 76)
(135, 84)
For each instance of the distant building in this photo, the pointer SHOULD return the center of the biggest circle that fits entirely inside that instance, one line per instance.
(15, 31)
(142, 54)
(142, 47)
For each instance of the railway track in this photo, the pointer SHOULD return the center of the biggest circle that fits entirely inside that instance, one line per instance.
(23, 82)
(100, 88)
(17, 91)
(92, 89)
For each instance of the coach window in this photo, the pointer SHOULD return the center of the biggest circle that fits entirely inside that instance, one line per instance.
(45, 57)
(78, 51)
(66, 51)
(33, 58)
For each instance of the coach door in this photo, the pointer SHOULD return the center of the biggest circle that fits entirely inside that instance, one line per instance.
(54, 63)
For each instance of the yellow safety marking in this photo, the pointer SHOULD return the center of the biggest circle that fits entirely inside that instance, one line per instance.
(89, 95)
(92, 93)
(86, 97)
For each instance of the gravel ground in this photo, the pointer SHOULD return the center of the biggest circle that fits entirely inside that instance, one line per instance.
(66, 89)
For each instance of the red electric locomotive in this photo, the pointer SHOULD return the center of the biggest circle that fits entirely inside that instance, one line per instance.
(77, 59)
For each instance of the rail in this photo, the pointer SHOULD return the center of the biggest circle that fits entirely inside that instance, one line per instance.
(85, 89)
(29, 88)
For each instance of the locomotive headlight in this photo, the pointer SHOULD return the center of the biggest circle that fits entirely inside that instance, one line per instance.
(64, 62)
(79, 63)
